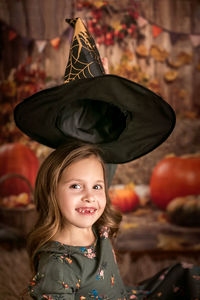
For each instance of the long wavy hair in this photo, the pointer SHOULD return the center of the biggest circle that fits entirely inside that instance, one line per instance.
(50, 219)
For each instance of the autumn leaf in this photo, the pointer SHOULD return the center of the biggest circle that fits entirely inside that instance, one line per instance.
(98, 4)
(142, 51)
(168, 242)
(181, 59)
(116, 25)
(130, 186)
(142, 212)
(170, 76)
(182, 94)
(185, 58)
(127, 226)
(191, 115)
(154, 86)
(174, 63)
(162, 218)
(55, 42)
(8, 88)
(158, 53)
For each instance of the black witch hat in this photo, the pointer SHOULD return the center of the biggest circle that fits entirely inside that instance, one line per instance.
(125, 119)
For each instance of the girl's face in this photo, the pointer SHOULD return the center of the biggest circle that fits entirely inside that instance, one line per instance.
(81, 193)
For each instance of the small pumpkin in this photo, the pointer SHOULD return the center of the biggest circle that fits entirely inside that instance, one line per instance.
(175, 177)
(16, 158)
(124, 197)
(185, 211)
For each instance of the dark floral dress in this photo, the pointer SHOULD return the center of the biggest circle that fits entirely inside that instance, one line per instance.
(67, 272)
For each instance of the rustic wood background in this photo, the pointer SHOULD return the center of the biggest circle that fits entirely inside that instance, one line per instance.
(44, 20)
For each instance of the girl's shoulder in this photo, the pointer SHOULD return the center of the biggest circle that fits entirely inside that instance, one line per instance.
(54, 249)
(55, 246)
(54, 263)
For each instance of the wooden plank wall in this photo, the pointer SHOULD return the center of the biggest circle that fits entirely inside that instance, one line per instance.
(181, 17)
(36, 19)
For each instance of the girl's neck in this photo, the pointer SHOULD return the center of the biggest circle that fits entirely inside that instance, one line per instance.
(75, 237)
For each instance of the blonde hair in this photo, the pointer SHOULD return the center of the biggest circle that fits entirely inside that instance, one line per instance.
(49, 216)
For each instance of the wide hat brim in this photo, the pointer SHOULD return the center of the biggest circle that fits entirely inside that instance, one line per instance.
(144, 118)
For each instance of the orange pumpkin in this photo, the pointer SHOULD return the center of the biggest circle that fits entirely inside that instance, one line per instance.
(175, 177)
(18, 159)
(124, 198)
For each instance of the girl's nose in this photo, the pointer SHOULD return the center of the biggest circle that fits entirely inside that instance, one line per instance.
(88, 197)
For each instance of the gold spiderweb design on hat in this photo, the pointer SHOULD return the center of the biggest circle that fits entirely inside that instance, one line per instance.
(84, 59)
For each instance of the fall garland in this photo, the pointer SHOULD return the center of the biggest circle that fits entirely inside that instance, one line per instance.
(104, 23)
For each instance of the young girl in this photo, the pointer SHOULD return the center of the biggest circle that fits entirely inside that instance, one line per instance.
(70, 246)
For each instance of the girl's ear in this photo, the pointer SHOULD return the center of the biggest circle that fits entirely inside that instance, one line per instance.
(110, 170)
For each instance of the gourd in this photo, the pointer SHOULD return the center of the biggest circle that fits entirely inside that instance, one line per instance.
(16, 158)
(124, 197)
(175, 177)
(184, 211)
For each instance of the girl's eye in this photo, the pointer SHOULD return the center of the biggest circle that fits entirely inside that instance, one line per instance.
(98, 187)
(75, 186)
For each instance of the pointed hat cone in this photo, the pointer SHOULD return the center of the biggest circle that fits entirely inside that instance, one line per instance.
(84, 59)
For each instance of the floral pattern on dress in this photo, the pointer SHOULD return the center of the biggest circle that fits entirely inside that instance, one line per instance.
(89, 252)
(106, 282)
(78, 284)
(136, 294)
(112, 280)
(63, 258)
(34, 281)
(50, 297)
(102, 268)
(66, 286)
(95, 295)
(104, 232)
(47, 297)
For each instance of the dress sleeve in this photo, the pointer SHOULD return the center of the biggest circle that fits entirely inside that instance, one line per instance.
(57, 279)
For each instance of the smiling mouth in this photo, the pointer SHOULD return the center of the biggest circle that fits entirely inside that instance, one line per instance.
(86, 210)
